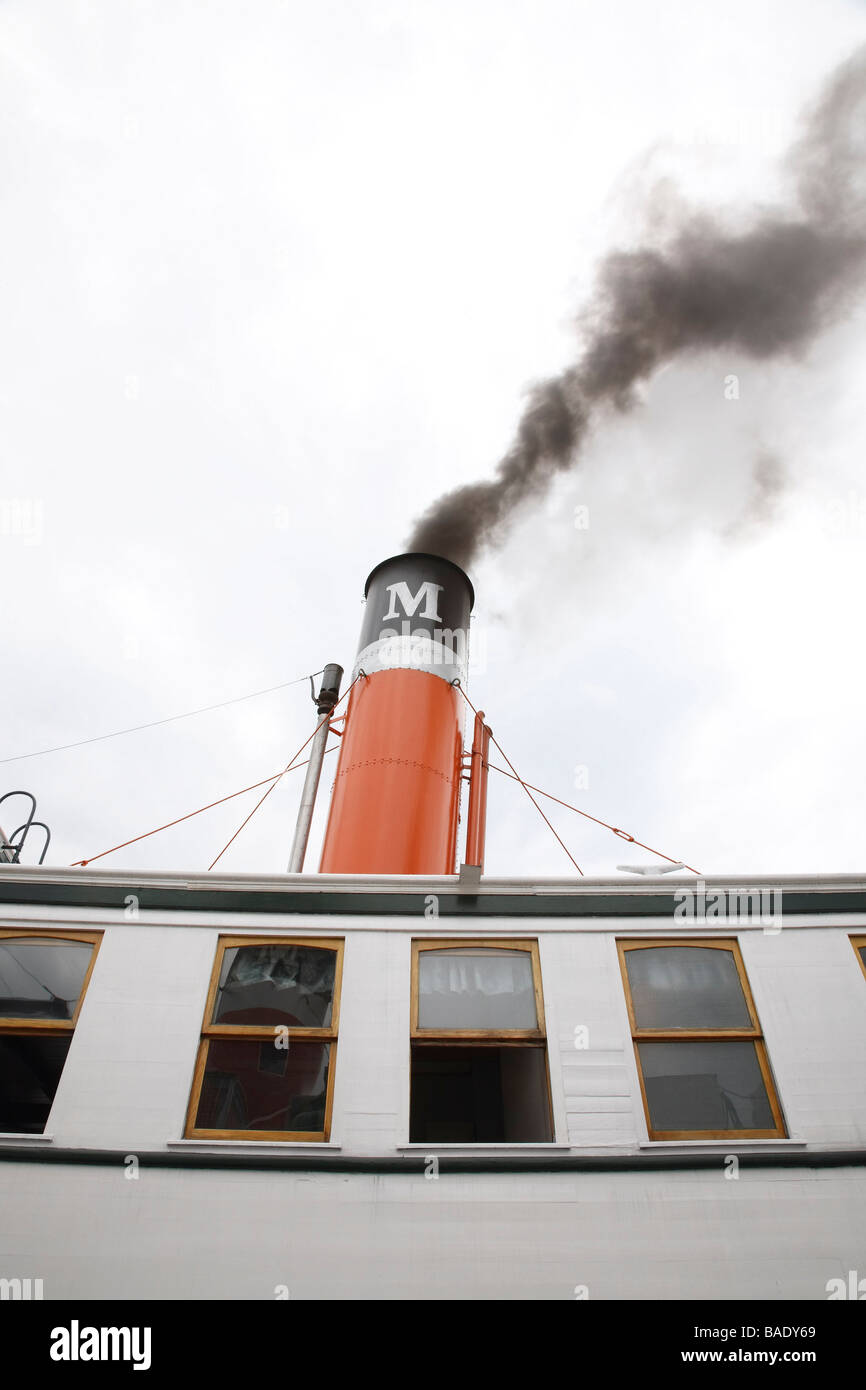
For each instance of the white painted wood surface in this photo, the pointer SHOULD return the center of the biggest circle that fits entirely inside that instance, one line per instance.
(172, 1233)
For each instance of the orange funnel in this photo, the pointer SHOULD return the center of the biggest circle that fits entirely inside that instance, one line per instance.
(396, 799)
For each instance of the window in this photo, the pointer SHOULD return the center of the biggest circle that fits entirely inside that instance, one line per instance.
(701, 1059)
(42, 982)
(265, 1067)
(479, 1055)
(859, 944)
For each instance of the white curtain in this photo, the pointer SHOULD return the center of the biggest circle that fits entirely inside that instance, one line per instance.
(465, 990)
(686, 987)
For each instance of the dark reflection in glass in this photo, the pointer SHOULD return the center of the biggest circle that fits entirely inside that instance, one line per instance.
(704, 1085)
(41, 979)
(30, 1069)
(242, 1089)
(291, 985)
(686, 987)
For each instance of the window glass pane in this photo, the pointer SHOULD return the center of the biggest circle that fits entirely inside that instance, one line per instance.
(704, 1085)
(479, 1095)
(686, 987)
(41, 979)
(475, 988)
(292, 985)
(29, 1072)
(252, 1085)
(862, 950)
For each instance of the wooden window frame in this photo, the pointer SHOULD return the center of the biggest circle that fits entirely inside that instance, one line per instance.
(859, 943)
(484, 1037)
(11, 1026)
(211, 1031)
(753, 1034)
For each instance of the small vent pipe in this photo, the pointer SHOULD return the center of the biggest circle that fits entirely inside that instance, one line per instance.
(329, 694)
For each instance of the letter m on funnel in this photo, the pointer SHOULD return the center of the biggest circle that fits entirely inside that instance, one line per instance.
(410, 602)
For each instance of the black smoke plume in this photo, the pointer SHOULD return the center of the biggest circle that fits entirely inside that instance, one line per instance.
(767, 291)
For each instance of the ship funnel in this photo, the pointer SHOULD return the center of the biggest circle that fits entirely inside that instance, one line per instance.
(396, 798)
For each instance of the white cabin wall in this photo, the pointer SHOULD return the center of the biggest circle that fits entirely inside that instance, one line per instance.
(596, 1082)
(127, 1078)
(90, 1232)
(371, 1086)
(810, 994)
(768, 1233)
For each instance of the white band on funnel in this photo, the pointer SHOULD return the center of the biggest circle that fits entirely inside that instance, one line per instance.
(416, 653)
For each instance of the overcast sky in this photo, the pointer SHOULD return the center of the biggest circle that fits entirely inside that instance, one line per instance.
(274, 277)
